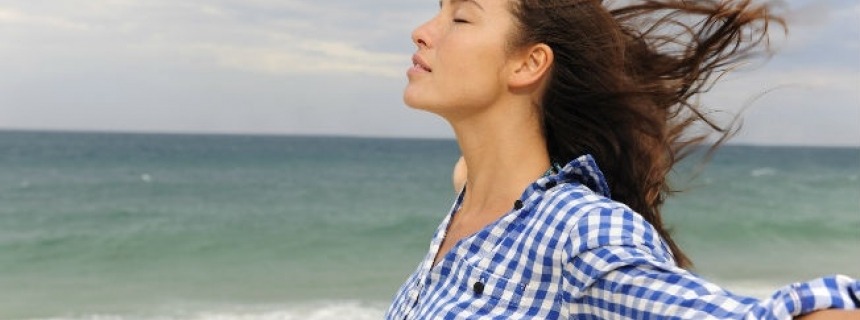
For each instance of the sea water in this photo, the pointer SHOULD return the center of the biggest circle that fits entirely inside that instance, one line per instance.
(155, 226)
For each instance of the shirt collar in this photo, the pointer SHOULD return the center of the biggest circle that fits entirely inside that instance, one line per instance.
(582, 170)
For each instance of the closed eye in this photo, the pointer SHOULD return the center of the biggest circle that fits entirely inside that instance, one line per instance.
(460, 21)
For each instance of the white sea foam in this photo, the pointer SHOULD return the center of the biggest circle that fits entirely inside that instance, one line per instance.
(341, 310)
(749, 288)
(761, 172)
(337, 310)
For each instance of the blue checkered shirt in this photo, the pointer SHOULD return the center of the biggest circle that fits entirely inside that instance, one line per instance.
(566, 251)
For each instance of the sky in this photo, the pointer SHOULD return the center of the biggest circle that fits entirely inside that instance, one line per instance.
(337, 67)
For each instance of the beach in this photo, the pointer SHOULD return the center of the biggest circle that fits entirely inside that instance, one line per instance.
(170, 226)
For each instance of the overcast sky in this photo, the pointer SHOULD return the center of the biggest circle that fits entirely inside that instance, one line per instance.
(337, 67)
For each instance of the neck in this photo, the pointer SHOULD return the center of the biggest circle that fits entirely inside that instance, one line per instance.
(505, 151)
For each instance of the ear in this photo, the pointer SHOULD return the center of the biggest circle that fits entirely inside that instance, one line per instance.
(530, 66)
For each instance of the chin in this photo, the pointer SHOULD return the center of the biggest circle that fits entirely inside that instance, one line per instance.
(415, 101)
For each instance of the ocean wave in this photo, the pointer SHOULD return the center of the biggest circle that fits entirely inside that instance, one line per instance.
(759, 290)
(331, 310)
(341, 310)
(763, 172)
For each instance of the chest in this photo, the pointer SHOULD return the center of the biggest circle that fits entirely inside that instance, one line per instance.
(460, 228)
(507, 271)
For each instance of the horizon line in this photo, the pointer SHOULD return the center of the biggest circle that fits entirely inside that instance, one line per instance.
(349, 136)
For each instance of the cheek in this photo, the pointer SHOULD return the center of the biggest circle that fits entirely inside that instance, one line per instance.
(473, 70)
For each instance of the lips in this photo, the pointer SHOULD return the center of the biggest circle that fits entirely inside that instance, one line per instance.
(419, 63)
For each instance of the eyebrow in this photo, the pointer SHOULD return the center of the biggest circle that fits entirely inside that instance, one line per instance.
(475, 2)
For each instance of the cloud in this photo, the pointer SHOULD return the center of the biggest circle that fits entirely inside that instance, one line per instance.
(243, 35)
(303, 56)
(335, 67)
(11, 18)
(807, 106)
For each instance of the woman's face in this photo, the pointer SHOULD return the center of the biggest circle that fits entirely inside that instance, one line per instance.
(461, 61)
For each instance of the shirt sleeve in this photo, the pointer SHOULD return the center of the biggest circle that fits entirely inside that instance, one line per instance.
(617, 267)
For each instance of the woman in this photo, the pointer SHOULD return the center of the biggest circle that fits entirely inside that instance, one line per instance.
(539, 94)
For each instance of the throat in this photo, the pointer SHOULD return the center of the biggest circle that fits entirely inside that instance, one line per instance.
(465, 224)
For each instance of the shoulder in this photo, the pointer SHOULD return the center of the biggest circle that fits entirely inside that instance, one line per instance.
(600, 236)
(591, 221)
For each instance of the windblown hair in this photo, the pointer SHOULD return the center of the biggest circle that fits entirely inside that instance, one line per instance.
(624, 84)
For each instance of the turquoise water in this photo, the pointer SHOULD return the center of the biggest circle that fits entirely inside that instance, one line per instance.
(126, 226)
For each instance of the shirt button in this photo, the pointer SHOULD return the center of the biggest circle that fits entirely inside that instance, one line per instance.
(478, 288)
(518, 205)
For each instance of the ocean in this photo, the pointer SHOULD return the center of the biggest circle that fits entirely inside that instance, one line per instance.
(98, 226)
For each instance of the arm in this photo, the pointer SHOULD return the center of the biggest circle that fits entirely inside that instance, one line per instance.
(618, 267)
(832, 315)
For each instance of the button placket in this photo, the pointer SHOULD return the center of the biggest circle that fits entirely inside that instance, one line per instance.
(518, 205)
(478, 287)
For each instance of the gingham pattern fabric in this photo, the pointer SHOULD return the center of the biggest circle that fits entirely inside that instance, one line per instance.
(566, 251)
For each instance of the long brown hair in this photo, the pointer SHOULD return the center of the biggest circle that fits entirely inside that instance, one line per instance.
(624, 81)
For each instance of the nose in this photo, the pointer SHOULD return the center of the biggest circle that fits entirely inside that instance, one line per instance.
(422, 34)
